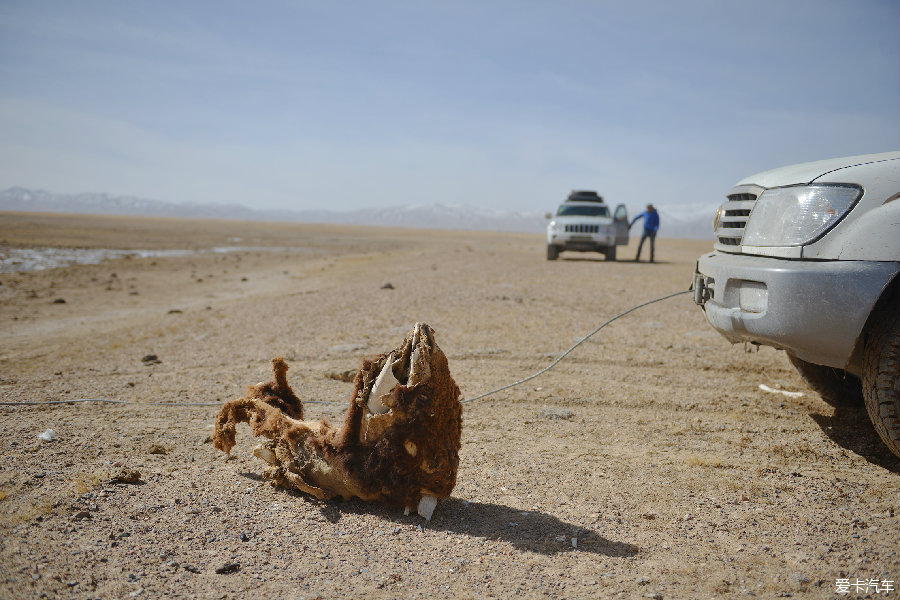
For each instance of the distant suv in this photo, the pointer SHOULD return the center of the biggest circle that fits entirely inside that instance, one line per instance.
(806, 260)
(583, 223)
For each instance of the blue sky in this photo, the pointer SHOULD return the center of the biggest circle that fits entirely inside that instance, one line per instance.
(504, 104)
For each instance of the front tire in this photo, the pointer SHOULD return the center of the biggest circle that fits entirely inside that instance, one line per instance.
(881, 379)
(552, 252)
(611, 252)
(835, 386)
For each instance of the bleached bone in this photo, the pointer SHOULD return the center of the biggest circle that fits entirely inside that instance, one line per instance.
(384, 384)
(426, 506)
(263, 453)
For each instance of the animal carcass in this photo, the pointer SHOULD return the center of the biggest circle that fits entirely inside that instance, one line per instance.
(399, 442)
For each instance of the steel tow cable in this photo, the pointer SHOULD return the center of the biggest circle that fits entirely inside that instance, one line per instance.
(479, 397)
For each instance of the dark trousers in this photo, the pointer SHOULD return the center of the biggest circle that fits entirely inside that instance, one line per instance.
(652, 236)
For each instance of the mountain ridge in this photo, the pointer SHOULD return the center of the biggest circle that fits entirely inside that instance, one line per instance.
(426, 216)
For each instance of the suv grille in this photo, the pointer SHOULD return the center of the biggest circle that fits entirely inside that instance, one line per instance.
(735, 212)
(582, 228)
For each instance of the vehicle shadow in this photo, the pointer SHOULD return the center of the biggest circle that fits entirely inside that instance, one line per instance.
(598, 259)
(601, 259)
(850, 428)
(531, 531)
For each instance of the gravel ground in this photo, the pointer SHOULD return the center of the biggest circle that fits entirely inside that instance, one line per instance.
(648, 463)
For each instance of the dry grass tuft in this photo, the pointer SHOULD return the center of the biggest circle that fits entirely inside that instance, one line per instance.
(696, 460)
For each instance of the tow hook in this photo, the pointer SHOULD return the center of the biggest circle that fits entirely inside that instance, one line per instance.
(703, 288)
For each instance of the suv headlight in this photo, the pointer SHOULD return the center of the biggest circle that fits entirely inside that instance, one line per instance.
(798, 215)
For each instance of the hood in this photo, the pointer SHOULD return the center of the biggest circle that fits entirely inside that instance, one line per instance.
(581, 218)
(809, 172)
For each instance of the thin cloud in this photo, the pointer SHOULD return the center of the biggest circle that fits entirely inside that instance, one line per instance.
(505, 104)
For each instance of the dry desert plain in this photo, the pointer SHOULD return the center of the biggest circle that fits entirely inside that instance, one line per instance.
(647, 464)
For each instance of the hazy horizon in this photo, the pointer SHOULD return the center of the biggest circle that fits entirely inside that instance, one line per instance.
(506, 105)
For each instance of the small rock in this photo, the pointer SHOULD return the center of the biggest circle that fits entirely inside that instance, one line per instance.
(59, 301)
(81, 515)
(191, 569)
(126, 476)
(245, 537)
(175, 311)
(150, 359)
(345, 376)
(387, 286)
(47, 436)
(228, 568)
(158, 449)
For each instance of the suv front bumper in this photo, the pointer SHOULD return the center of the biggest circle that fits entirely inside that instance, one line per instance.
(584, 242)
(813, 309)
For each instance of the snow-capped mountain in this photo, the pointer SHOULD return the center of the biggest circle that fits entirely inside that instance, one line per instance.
(434, 216)
(21, 199)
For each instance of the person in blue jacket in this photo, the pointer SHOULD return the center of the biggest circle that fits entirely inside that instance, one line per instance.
(651, 226)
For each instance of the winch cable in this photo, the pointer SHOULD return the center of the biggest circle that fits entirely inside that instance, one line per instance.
(479, 397)
(578, 343)
(163, 403)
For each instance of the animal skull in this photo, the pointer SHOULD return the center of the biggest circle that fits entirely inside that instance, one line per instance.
(399, 442)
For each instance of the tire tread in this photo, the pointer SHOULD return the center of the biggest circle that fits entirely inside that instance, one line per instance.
(881, 379)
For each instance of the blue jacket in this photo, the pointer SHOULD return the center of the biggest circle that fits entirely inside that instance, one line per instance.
(651, 220)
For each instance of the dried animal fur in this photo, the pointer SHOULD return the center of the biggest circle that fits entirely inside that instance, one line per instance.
(399, 442)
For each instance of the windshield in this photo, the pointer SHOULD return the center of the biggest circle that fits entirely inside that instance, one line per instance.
(582, 211)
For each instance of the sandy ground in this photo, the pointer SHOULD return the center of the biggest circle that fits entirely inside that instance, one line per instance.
(649, 463)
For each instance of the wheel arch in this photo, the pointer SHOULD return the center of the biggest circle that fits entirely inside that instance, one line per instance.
(887, 301)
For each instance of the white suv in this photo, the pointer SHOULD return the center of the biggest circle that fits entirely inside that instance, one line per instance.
(807, 260)
(582, 223)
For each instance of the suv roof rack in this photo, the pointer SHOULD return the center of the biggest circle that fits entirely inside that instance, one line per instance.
(584, 196)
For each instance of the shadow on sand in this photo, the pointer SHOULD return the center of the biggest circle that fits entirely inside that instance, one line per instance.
(526, 530)
(850, 428)
(530, 531)
(601, 259)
